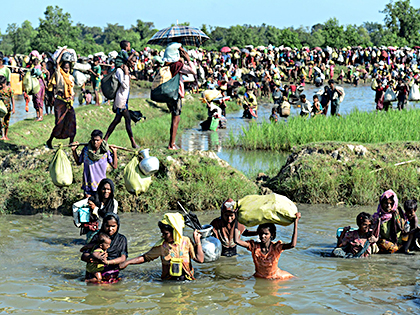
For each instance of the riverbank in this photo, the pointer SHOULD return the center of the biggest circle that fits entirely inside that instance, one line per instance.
(348, 173)
(187, 177)
(360, 127)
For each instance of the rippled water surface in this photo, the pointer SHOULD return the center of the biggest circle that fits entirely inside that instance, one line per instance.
(41, 273)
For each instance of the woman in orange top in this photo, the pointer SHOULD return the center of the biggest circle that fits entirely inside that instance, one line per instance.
(266, 254)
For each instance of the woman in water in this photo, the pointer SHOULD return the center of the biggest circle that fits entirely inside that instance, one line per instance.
(116, 253)
(174, 250)
(224, 227)
(266, 253)
(391, 223)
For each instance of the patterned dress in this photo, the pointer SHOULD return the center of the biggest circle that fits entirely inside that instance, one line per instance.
(6, 96)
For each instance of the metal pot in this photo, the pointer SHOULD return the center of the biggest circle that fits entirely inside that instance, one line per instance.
(149, 164)
(212, 248)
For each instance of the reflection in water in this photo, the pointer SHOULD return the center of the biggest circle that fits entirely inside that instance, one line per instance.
(45, 277)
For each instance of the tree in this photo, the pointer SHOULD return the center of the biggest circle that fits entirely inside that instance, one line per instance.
(21, 37)
(333, 33)
(56, 30)
(403, 20)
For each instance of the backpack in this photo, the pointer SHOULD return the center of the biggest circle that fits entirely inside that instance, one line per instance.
(110, 85)
(165, 88)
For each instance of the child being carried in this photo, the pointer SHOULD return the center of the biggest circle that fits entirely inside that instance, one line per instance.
(95, 268)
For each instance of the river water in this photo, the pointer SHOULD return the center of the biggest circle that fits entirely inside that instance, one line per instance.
(41, 273)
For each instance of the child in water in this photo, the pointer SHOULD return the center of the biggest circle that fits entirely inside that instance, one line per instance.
(410, 208)
(357, 243)
(104, 242)
(266, 253)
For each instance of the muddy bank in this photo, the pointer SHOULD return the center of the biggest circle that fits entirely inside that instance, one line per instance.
(349, 173)
(199, 180)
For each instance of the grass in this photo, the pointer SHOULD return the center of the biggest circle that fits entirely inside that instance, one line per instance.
(359, 127)
(313, 175)
(194, 179)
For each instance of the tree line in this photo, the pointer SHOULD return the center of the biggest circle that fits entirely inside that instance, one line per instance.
(401, 27)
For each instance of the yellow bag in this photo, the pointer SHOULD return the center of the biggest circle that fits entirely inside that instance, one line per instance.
(163, 75)
(60, 169)
(273, 208)
(135, 181)
(175, 269)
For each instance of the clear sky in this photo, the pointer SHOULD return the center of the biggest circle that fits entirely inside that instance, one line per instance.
(163, 13)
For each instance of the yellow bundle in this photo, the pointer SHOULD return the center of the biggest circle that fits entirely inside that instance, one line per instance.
(273, 208)
(210, 95)
(135, 181)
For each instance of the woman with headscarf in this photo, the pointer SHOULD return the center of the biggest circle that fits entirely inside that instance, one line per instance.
(224, 228)
(174, 249)
(38, 98)
(391, 223)
(65, 116)
(106, 198)
(116, 254)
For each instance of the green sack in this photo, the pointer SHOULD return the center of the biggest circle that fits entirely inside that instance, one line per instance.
(27, 82)
(110, 85)
(36, 87)
(30, 84)
(3, 109)
(273, 208)
(214, 124)
(135, 181)
(166, 92)
(60, 169)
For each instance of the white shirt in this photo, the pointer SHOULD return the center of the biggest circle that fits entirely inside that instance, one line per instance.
(124, 89)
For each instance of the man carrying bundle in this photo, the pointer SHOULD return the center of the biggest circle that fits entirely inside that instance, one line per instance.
(95, 157)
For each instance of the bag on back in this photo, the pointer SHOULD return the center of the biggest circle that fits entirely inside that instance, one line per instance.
(135, 181)
(165, 88)
(273, 208)
(110, 85)
(60, 169)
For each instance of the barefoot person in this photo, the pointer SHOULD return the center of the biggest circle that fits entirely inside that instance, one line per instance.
(121, 99)
(65, 116)
(179, 62)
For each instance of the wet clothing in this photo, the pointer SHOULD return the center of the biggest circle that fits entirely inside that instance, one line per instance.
(117, 249)
(266, 265)
(352, 243)
(94, 267)
(166, 251)
(226, 235)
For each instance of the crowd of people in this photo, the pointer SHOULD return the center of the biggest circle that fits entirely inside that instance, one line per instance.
(281, 72)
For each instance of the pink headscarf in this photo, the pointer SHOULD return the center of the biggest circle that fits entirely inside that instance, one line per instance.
(380, 213)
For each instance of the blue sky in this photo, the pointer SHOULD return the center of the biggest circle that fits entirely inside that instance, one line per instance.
(163, 13)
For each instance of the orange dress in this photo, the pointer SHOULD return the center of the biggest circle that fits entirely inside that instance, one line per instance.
(266, 265)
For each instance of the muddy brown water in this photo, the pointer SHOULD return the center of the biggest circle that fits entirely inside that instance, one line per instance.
(41, 273)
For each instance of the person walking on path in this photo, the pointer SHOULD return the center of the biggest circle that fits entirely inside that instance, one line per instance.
(121, 99)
